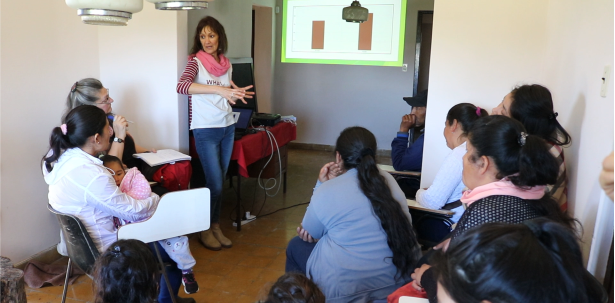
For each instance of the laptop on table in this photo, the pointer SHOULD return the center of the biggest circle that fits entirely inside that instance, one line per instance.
(242, 121)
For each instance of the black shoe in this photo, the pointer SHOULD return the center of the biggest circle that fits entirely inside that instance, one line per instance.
(185, 300)
(190, 285)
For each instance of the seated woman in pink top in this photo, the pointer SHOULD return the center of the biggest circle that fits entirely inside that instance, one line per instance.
(532, 105)
(506, 171)
(134, 184)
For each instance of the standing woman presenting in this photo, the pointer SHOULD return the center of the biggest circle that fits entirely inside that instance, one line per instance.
(207, 81)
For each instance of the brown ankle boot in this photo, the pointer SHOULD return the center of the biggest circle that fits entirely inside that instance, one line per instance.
(208, 240)
(224, 241)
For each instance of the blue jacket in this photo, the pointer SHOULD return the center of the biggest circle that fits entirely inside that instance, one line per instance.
(406, 157)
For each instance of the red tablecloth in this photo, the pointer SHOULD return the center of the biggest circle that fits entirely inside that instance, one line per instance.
(254, 147)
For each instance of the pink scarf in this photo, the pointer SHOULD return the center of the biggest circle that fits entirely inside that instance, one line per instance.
(503, 188)
(210, 63)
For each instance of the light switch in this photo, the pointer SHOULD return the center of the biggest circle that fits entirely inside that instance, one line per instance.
(277, 9)
(606, 79)
(404, 67)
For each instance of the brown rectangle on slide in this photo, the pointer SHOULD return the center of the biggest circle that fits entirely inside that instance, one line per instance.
(365, 33)
(318, 34)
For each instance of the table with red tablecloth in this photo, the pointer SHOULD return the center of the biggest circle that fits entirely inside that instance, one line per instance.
(253, 147)
(250, 149)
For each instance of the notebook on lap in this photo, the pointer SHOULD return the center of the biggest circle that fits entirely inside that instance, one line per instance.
(242, 121)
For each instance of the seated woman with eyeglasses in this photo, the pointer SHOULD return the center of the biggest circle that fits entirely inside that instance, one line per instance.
(81, 186)
(506, 171)
(90, 91)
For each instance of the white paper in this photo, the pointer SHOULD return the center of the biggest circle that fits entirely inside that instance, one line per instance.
(162, 157)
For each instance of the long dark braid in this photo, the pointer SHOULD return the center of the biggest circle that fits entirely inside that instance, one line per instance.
(357, 146)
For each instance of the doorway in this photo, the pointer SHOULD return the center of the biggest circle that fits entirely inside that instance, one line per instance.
(423, 51)
(263, 56)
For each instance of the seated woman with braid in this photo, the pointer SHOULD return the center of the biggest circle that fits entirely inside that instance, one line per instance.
(506, 171)
(356, 241)
(538, 261)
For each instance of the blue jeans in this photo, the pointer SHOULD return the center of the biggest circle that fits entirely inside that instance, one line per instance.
(174, 274)
(297, 254)
(214, 146)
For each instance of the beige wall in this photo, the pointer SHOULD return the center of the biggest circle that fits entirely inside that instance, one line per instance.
(579, 45)
(481, 49)
(45, 49)
(140, 64)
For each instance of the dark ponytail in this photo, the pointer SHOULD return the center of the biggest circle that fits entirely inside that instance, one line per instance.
(465, 114)
(357, 147)
(532, 105)
(523, 158)
(496, 262)
(81, 123)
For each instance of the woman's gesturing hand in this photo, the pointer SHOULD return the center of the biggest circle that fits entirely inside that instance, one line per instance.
(119, 126)
(234, 93)
(329, 171)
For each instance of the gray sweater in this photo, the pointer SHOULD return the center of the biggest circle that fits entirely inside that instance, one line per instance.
(352, 260)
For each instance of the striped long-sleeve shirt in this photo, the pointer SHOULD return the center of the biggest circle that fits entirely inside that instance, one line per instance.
(186, 79)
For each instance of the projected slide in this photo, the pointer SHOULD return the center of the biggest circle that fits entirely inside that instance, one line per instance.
(314, 32)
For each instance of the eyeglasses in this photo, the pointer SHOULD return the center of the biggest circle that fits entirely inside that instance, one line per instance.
(106, 101)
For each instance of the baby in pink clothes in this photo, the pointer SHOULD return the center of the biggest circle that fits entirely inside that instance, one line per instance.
(133, 183)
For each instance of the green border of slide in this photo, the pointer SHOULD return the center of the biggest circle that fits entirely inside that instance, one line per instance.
(400, 58)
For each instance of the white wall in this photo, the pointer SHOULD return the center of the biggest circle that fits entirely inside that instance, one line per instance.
(481, 49)
(140, 64)
(328, 98)
(579, 45)
(45, 49)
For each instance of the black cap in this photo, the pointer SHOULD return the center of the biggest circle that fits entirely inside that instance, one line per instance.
(419, 100)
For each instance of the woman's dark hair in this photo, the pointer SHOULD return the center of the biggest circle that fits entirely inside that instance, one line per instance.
(217, 28)
(465, 114)
(538, 261)
(524, 159)
(295, 287)
(126, 272)
(357, 147)
(81, 122)
(532, 105)
(111, 159)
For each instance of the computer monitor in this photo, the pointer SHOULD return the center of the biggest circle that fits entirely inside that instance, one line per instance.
(243, 75)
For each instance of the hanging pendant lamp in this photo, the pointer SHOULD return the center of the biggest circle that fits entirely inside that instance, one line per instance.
(179, 5)
(97, 12)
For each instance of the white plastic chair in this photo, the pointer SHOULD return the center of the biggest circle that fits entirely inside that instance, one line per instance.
(179, 213)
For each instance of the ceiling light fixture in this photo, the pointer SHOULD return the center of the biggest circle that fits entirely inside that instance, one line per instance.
(179, 5)
(96, 12)
(118, 12)
(355, 13)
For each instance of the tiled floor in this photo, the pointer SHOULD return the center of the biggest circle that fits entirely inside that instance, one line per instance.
(245, 272)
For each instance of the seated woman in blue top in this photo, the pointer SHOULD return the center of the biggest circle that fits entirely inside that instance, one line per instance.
(447, 187)
(365, 246)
